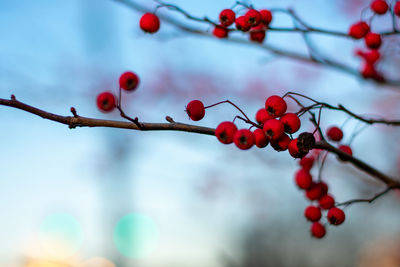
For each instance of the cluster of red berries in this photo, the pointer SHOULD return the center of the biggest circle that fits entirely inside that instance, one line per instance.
(274, 126)
(317, 191)
(373, 41)
(106, 101)
(253, 21)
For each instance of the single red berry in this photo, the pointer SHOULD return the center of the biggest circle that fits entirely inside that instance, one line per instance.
(347, 150)
(257, 33)
(303, 179)
(291, 122)
(324, 187)
(227, 17)
(396, 9)
(373, 40)
(312, 213)
(244, 139)
(106, 101)
(253, 17)
(128, 81)
(225, 132)
(260, 138)
(242, 24)
(275, 105)
(336, 216)
(150, 23)
(195, 110)
(273, 129)
(318, 230)
(372, 56)
(307, 163)
(380, 7)
(368, 71)
(326, 202)
(282, 143)
(220, 32)
(314, 192)
(266, 17)
(262, 116)
(294, 149)
(359, 29)
(334, 134)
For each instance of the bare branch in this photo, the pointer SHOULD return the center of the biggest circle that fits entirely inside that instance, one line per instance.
(366, 200)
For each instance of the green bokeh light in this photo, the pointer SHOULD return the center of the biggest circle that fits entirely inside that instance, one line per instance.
(135, 235)
(61, 234)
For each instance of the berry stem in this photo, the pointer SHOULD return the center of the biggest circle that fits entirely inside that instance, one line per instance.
(228, 101)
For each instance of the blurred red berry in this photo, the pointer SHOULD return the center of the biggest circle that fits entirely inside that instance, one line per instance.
(307, 163)
(294, 149)
(380, 7)
(260, 139)
(359, 29)
(372, 56)
(345, 149)
(312, 213)
(326, 202)
(242, 24)
(220, 32)
(336, 216)
(334, 134)
(243, 139)
(396, 9)
(373, 40)
(282, 143)
(291, 122)
(266, 17)
(303, 179)
(195, 110)
(253, 17)
(275, 105)
(225, 132)
(318, 230)
(150, 23)
(227, 17)
(314, 192)
(273, 129)
(128, 81)
(257, 34)
(106, 101)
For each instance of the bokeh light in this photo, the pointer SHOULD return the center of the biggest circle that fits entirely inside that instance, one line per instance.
(97, 262)
(135, 235)
(60, 235)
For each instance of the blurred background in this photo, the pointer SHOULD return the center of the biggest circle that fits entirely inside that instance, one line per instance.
(111, 197)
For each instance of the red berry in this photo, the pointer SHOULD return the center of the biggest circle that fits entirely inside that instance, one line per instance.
(260, 138)
(373, 40)
(257, 34)
(128, 81)
(396, 9)
(326, 202)
(359, 29)
(106, 101)
(334, 134)
(336, 216)
(282, 143)
(220, 31)
(225, 132)
(253, 17)
(242, 24)
(312, 213)
(380, 7)
(294, 149)
(318, 230)
(149, 23)
(195, 110)
(372, 56)
(303, 179)
(307, 163)
(227, 17)
(291, 122)
(266, 17)
(275, 105)
(262, 116)
(368, 71)
(324, 188)
(314, 192)
(273, 129)
(243, 139)
(347, 150)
